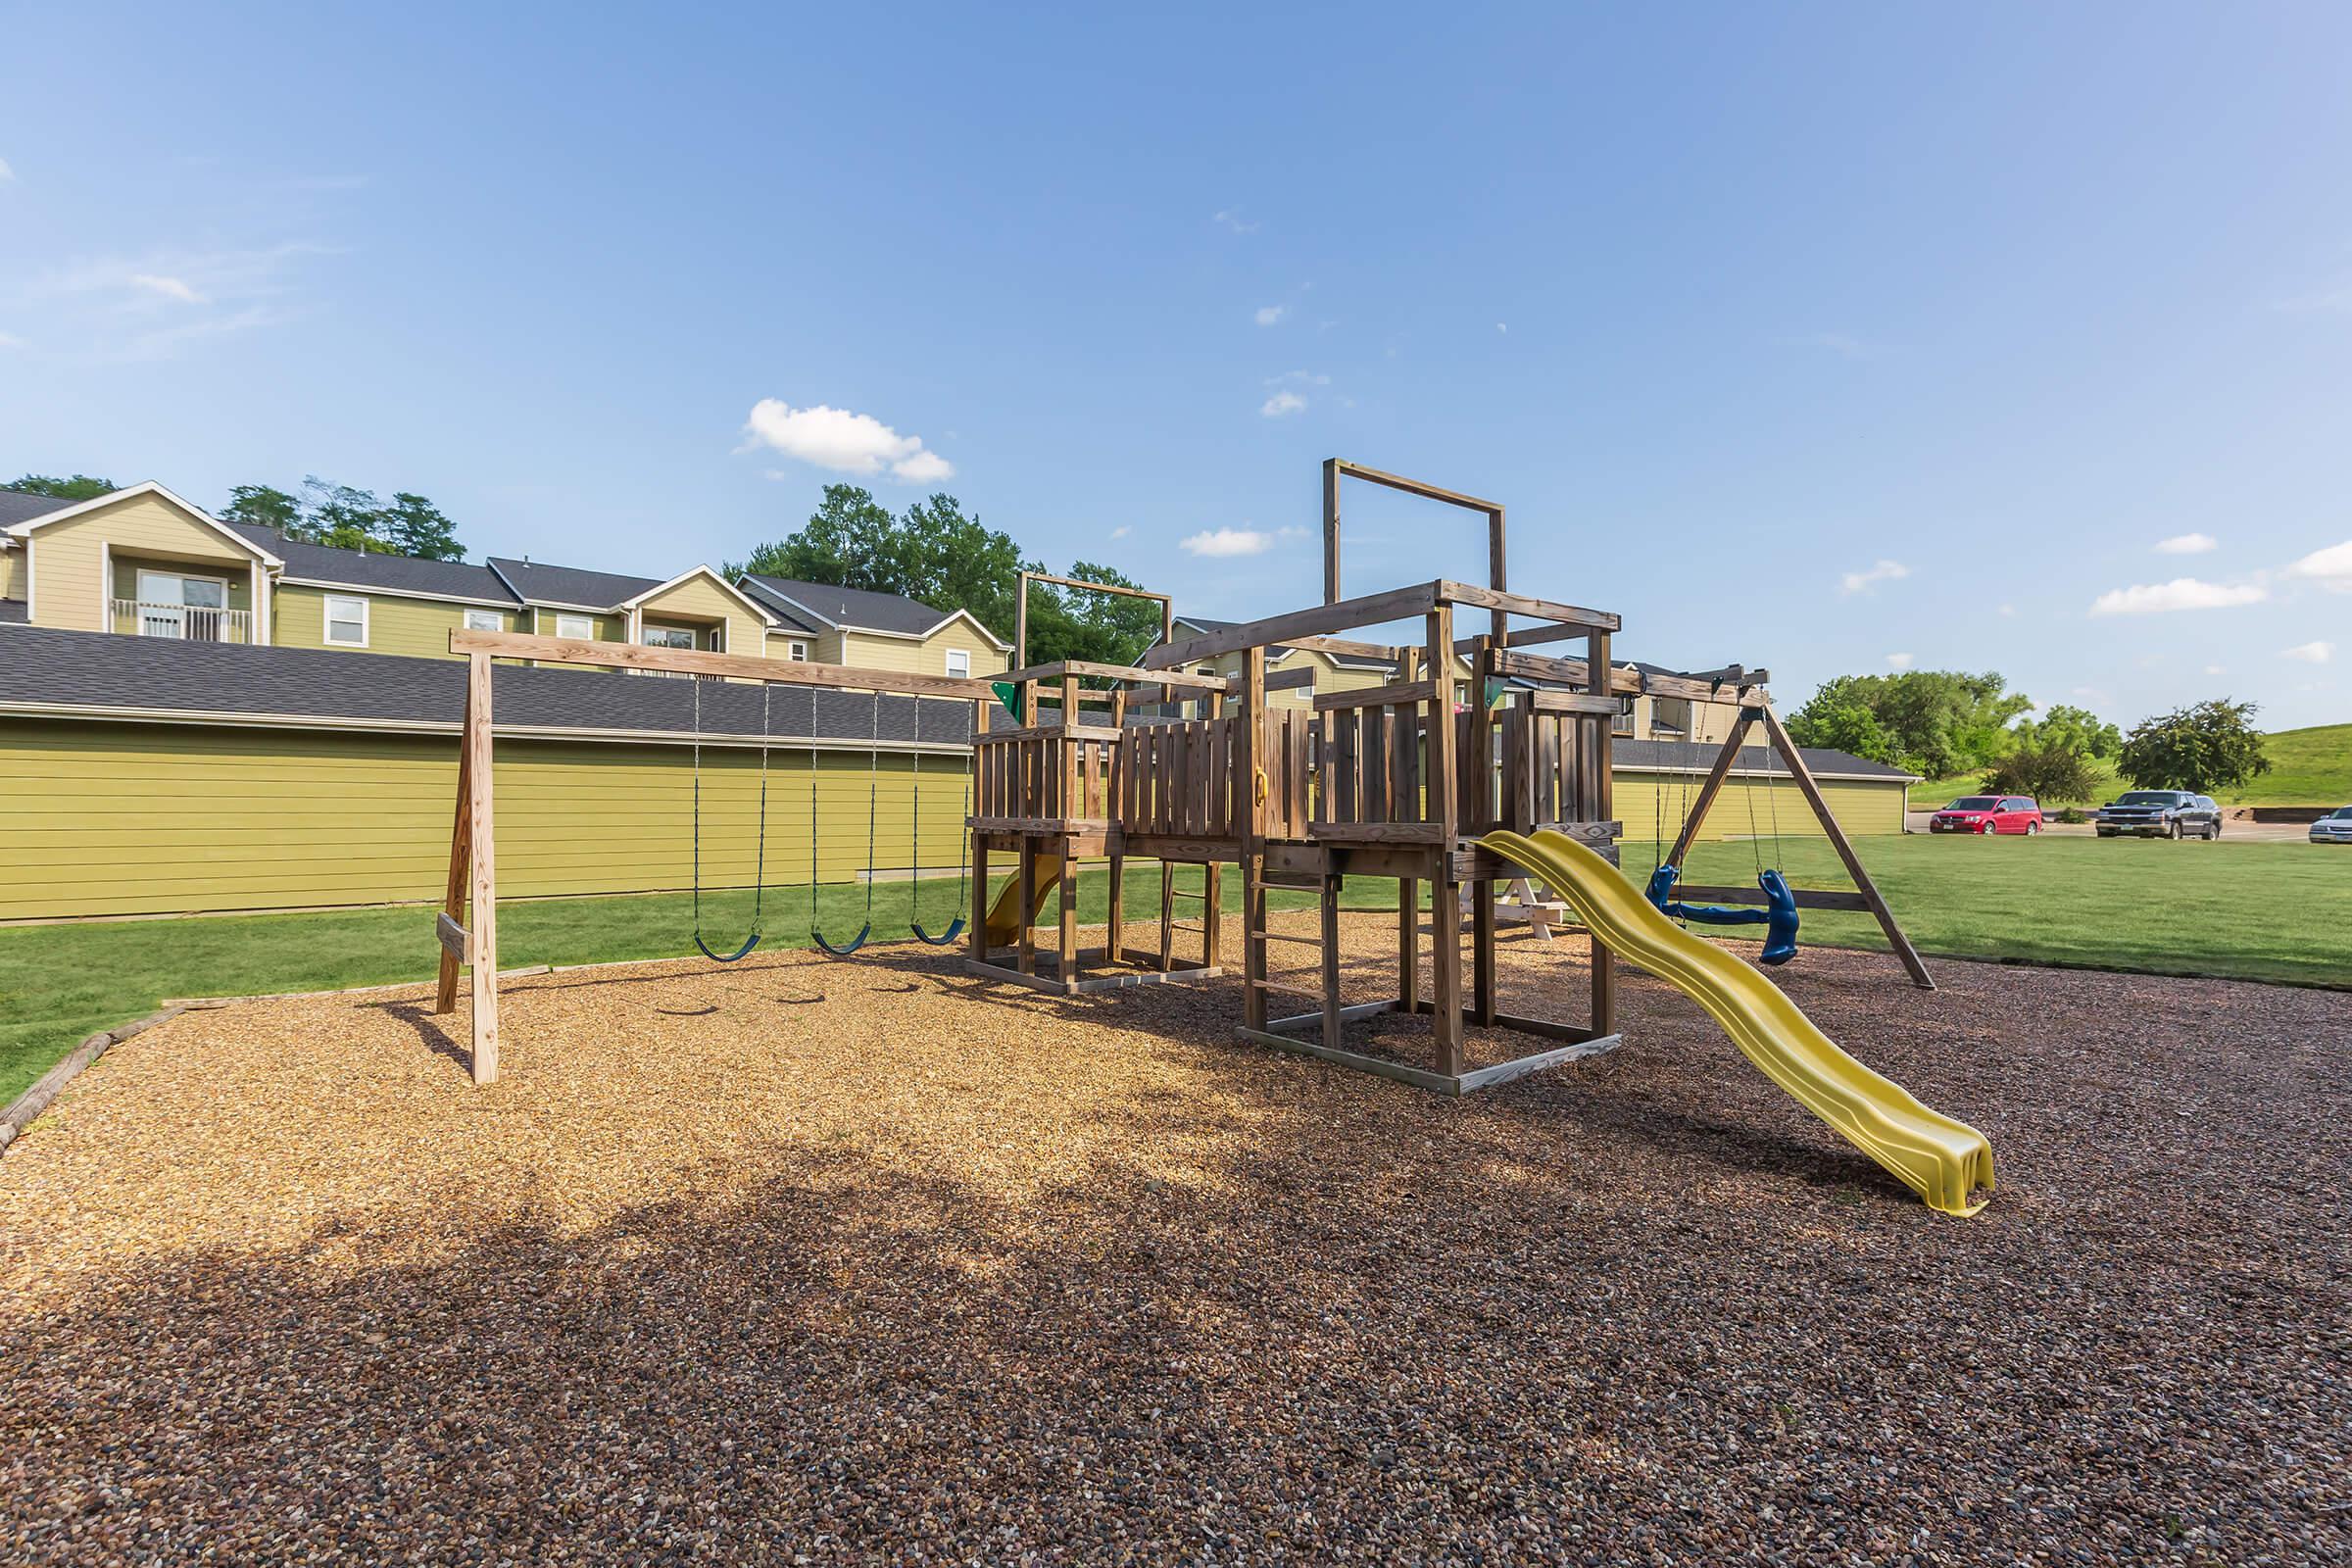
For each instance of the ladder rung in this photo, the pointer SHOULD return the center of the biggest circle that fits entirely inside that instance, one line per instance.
(1279, 936)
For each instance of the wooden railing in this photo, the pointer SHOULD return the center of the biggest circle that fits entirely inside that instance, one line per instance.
(1369, 762)
(1176, 779)
(1552, 761)
(1047, 776)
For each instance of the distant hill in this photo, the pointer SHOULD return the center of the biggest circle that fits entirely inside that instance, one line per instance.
(2308, 767)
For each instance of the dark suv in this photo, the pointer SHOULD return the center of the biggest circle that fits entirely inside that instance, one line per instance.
(2160, 815)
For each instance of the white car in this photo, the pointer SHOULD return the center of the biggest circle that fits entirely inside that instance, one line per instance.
(2333, 828)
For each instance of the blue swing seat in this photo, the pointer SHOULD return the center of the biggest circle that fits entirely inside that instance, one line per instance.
(848, 948)
(1778, 917)
(944, 937)
(744, 951)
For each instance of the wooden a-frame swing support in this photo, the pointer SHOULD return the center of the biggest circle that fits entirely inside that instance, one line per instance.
(467, 925)
(1756, 711)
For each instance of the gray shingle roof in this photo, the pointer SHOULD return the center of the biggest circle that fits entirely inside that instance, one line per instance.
(539, 583)
(858, 608)
(17, 505)
(95, 670)
(789, 616)
(15, 613)
(361, 568)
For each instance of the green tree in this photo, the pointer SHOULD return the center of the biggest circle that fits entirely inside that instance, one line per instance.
(413, 527)
(1106, 628)
(934, 553)
(261, 506)
(80, 487)
(1936, 723)
(2209, 746)
(2078, 730)
(2055, 773)
(1842, 725)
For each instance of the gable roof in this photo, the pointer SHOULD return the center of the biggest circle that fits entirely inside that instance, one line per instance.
(366, 569)
(76, 509)
(839, 608)
(535, 582)
(727, 587)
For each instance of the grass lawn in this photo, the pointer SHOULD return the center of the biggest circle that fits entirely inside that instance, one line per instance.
(2308, 767)
(2259, 911)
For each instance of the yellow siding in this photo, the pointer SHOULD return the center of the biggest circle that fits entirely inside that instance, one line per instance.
(68, 580)
(132, 820)
(418, 627)
(928, 656)
(1653, 806)
(699, 599)
(824, 647)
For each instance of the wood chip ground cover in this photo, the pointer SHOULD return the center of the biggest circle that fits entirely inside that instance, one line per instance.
(942, 1271)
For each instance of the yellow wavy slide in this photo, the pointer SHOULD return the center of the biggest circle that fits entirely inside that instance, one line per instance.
(1005, 915)
(1942, 1159)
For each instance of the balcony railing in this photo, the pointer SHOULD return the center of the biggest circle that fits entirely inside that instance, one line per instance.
(192, 623)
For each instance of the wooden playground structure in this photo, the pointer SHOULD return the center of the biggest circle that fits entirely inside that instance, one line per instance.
(1159, 761)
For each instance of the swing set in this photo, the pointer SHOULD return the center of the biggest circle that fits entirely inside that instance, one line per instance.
(1772, 903)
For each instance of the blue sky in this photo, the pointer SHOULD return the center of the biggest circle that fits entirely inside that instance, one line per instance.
(1814, 337)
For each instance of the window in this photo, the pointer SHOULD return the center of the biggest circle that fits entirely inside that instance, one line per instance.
(581, 627)
(668, 637)
(346, 621)
(173, 605)
(1625, 716)
(959, 663)
(485, 621)
(797, 651)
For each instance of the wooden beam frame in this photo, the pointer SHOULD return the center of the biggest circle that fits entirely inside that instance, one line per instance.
(1866, 893)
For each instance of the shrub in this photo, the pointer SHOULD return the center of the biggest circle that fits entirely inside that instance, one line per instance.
(2053, 772)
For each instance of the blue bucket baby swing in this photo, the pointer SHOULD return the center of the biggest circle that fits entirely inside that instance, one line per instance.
(1778, 916)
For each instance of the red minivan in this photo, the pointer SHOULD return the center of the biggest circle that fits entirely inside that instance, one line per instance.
(1989, 813)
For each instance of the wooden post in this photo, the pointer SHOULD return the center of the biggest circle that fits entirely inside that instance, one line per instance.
(1116, 937)
(1167, 917)
(1027, 898)
(1604, 962)
(461, 864)
(1331, 530)
(1444, 901)
(1249, 818)
(1479, 770)
(482, 925)
(1330, 910)
(1066, 933)
(1212, 877)
(1845, 849)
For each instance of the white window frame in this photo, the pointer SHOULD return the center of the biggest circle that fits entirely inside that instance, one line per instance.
(585, 623)
(658, 637)
(959, 656)
(796, 651)
(328, 618)
(179, 623)
(485, 621)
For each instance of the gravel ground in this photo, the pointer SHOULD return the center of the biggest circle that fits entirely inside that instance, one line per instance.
(921, 1276)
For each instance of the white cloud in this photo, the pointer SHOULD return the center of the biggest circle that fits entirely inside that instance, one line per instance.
(6, 173)
(1232, 219)
(1854, 582)
(1268, 315)
(2182, 593)
(2187, 543)
(842, 441)
(9, 340)
(1122, 531)
(1300, 378)
(1899, 661)
(1503, 326)
(1226, 542)
(1282, 403)
(170, 288)
(2313, 652)
(2009, 612)
(2330, 569)
(2215, 669)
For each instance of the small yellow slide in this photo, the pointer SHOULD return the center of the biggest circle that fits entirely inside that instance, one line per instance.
(1005, 915)
(1942, 1159)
